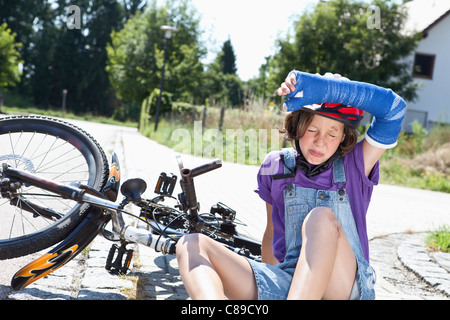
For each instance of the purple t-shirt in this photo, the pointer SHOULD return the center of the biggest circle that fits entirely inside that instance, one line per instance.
(359, 189)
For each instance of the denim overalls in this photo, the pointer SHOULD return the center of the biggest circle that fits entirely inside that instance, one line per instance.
(273, 282)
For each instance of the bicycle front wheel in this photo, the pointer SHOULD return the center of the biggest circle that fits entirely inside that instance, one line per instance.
(54, 150)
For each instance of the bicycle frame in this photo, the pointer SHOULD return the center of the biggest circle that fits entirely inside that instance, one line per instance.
(103, 210)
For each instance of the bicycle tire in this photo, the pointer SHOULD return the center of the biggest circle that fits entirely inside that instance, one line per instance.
(64, 135)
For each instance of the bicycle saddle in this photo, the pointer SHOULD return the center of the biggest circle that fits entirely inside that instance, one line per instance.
(133, 188)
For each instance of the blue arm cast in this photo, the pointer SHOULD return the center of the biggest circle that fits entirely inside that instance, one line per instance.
(385, 105)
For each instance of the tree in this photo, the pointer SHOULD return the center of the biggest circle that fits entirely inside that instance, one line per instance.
(131, 7)
(9, 57)
(136, 53)
(57, 57)
(258, 85)
(228, 58)
(79, 56)
(221, 82)
(24, 17)
(338, 36)
(104, 18)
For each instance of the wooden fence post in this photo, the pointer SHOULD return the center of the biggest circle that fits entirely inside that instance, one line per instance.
(204, 118)
(193, 113)
(222, 114)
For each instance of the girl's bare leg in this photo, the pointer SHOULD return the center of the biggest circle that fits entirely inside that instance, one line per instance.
(327, 266)
(211, 271)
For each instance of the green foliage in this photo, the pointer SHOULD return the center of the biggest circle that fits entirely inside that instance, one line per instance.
(233, 89)
(221, 84)
(117, 53)
(420, 134)
(439, 239)
(335, 37)
(136, 53)
(397, 172)
(240, 142)
(228, 58)
(415, 161)
(56, 57)
(9, 57)
(149, 104)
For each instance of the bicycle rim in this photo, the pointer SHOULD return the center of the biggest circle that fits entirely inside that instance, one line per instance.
(54, 150)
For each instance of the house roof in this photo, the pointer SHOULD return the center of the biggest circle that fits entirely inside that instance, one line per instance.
(424, 14)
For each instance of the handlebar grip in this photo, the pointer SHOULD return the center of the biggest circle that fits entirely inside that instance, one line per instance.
(215, 164)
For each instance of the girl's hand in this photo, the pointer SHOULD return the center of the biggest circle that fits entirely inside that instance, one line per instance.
(288, 85)
(301, 89)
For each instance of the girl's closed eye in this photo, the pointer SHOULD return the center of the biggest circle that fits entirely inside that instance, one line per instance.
(332, 134)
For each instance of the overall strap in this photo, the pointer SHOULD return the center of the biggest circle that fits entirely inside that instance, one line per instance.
(339, 171)
(339, 175)
(288, 160)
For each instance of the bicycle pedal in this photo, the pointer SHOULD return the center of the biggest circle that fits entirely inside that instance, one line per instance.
(119, 259)
(165, 184)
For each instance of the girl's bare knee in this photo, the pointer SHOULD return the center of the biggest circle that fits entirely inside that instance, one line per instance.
(193, 242)
(322, 218)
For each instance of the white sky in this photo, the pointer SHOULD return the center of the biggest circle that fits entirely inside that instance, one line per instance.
(252, 25)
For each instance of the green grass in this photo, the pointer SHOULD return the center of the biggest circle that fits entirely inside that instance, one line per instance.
(418, 160)
(439, 240)
(245, 146)
(395, 172)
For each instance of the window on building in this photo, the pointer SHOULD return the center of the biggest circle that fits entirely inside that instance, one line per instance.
(423, 65)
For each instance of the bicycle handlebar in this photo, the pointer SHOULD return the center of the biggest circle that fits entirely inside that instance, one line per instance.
(217, 163)
(187, 184)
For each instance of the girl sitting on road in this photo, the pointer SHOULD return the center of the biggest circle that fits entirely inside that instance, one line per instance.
(315, 245)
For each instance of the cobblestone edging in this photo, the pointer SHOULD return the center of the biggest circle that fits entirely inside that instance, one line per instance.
(432, 267)
(158, 277)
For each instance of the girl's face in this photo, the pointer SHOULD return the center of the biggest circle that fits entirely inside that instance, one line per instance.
(321, 139)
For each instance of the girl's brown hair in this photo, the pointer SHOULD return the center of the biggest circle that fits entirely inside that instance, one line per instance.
(296, 123)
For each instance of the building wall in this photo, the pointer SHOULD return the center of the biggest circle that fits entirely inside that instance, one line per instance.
(434, 94)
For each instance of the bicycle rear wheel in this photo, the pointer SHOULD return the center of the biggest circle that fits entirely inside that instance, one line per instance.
(54, 150)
